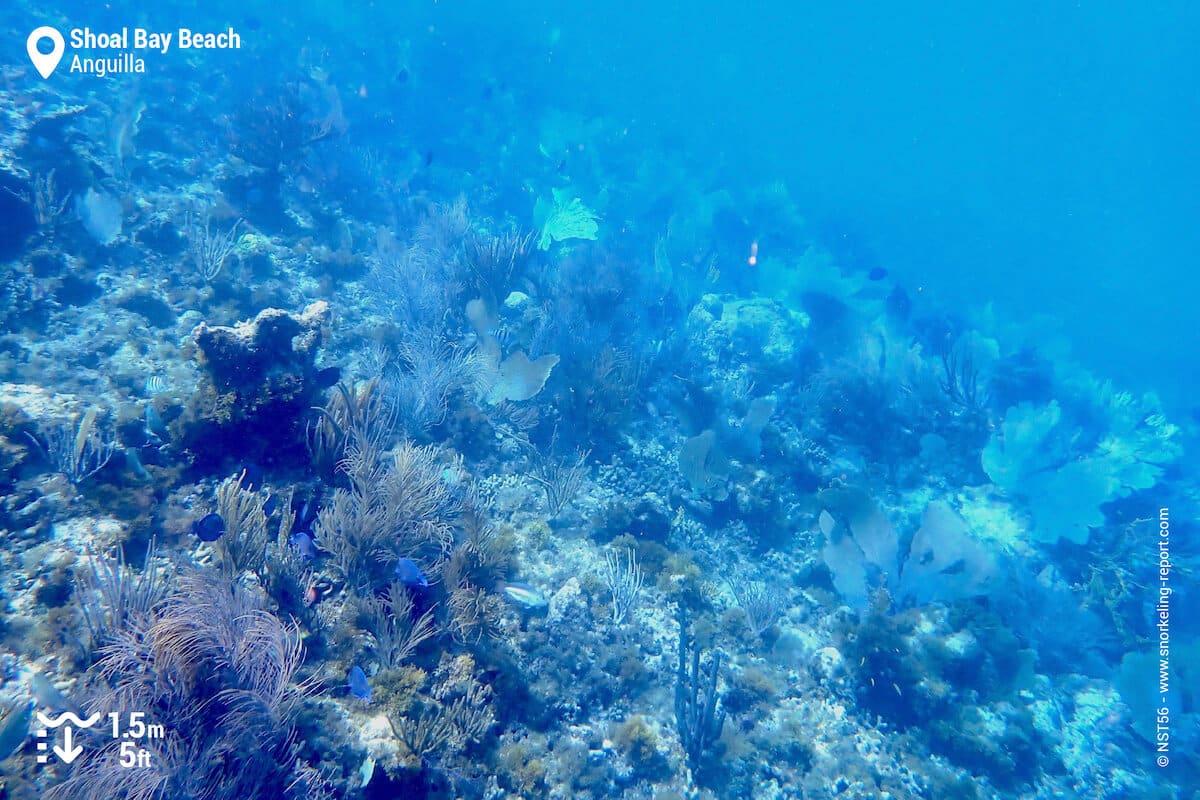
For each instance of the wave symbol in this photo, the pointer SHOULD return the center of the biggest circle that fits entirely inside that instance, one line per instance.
(67, 716)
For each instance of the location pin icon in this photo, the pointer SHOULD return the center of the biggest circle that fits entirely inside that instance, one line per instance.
(45, 62)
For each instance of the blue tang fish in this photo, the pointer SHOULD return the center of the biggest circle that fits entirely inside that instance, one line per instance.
(209, 528)
(410, 574)
(357, 682)
(304, 545)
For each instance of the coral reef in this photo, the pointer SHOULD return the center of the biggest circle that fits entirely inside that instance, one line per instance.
(262, 381)
(646, 487)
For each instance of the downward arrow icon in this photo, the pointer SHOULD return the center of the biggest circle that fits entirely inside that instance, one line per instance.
(68, 753)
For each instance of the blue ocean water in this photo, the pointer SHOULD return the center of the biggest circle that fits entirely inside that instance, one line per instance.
(460, 400)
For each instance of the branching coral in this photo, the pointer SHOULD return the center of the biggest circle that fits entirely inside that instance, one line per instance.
(696, 699)
(456, 712)
(482, 556)
(623, 577)
(560, 479)
(396, 633)
(244, 545)
(762, 603)
(209, 248)
(961, 378)
(111, 598)
(219, 674)
(497, 261)
(400, 506)
(362, 414)
(78, 449)
(474, 614)
(431, 372)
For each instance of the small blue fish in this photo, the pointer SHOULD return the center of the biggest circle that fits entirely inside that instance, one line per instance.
(410, 574)
(328, 377)
(357, 682)
(304, 545)
(525, 596)
(209, 528)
